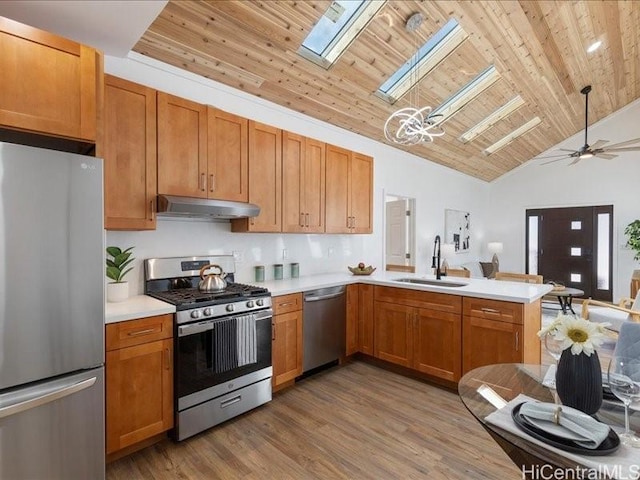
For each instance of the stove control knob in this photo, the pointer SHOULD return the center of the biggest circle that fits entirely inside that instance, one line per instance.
(250, 304)
(196, 314)
(230, 308)
(208, 312)
(260, 302)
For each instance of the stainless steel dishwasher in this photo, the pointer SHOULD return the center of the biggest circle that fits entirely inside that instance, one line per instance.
(324, 329)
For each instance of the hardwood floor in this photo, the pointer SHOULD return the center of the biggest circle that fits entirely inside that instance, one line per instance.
(356, 421)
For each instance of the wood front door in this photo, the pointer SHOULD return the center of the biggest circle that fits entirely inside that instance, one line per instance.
(572, 246)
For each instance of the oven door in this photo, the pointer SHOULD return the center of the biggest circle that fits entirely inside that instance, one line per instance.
(216, 356)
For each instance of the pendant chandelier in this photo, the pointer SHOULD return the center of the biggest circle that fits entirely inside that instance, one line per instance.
(413, 125)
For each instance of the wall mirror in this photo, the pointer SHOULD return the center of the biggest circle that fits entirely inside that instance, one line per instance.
(399, 254)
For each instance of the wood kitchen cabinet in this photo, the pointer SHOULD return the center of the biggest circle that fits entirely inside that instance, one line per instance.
(227, 158)
(499, 332)
(139, 381)
(265, 180)
(349, 191)
(352, 319)
(182, 147)
(420, 330)
(129, 152)
(50, 85)
(303, 184)
(287, 339)
(365, 319)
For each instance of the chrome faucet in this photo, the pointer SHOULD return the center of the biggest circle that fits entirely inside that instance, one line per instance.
(436, 257)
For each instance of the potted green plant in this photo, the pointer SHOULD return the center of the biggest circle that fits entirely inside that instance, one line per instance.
(633, 232)
(117, 262)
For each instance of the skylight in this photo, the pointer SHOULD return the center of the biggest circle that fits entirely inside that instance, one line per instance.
(435, 49)
(337, 28)
(501, 113)
(507, 139)
(467, 93)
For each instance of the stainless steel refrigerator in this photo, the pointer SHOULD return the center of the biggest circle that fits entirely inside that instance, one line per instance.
(51, 315)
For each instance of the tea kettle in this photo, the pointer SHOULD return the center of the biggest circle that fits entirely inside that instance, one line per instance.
(214, 282)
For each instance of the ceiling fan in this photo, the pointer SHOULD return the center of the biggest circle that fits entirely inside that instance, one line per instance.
(597, 149)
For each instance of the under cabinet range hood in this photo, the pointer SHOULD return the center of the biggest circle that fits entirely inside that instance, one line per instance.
(175, 206)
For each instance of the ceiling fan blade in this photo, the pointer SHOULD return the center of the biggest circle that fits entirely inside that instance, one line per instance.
(606, 156)
(623, 149)
(554, 160)
(575, 160)
(623, 144)
(563, 155)
(599, 144)
(567, 150)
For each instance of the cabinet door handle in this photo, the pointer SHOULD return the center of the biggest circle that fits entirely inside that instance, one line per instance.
(167, 359)
(353, 223)
(306, 215)
(273, 331)
(141, 332)
(211, 184)
(152, 212)
(517, 341)
(203, 180)
(489, 310)
(302, 219)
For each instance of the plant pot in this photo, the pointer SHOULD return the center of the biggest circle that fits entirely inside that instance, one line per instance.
(117, 291)
(579, 381)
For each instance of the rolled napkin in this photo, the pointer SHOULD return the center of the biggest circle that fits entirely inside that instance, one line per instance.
(565, 422)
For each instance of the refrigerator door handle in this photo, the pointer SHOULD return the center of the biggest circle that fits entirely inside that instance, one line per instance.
(46, 398)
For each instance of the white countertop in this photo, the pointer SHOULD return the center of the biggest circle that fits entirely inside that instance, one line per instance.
(475, 287)
(136, 307)
(144, 306)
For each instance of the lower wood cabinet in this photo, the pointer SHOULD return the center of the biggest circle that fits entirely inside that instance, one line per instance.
(286, 348)
(365, 318)
(424, 339)
(499, 332)
(352, 319)
(139, 380)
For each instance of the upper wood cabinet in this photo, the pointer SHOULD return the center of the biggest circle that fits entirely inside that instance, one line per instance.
(349, 191)
(129, 152)
(182, 147)
(265, 180)
(49, 84)
(303, 184)
(228, 160)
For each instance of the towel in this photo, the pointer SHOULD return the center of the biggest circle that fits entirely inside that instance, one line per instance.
(246, 340)
(565, 422)
(225, 345)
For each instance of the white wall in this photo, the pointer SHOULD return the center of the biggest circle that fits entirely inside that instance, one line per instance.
(592, 181)
(434, 187)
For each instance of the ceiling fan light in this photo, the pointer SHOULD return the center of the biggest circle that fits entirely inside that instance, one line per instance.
(594, 46)
(586, 155)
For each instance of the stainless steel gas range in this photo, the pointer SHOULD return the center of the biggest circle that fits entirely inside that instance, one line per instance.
(222, 360)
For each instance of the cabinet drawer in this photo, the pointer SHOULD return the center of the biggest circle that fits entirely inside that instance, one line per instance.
(136, 332)
(287, 303)
(415, 298)
(493, 310)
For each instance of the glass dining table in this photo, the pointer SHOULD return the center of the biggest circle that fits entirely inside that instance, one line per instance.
(485, 389)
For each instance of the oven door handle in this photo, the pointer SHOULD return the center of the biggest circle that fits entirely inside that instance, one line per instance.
(194, 328)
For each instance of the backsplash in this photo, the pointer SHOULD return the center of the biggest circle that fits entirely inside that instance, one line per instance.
(319, 253)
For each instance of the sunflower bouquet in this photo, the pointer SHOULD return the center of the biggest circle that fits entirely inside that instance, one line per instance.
(578, 334)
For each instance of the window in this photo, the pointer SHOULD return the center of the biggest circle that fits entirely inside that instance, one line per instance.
(337, 28)
(436, 49)
(604, 239)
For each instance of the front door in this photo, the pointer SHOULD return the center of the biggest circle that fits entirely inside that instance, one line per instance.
(572, 246)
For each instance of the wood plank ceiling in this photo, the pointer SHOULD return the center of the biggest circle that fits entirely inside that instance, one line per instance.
(538, 48)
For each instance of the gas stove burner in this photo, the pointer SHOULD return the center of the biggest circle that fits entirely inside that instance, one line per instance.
(193, 296)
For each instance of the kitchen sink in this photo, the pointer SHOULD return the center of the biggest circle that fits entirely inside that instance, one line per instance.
(437, 283)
